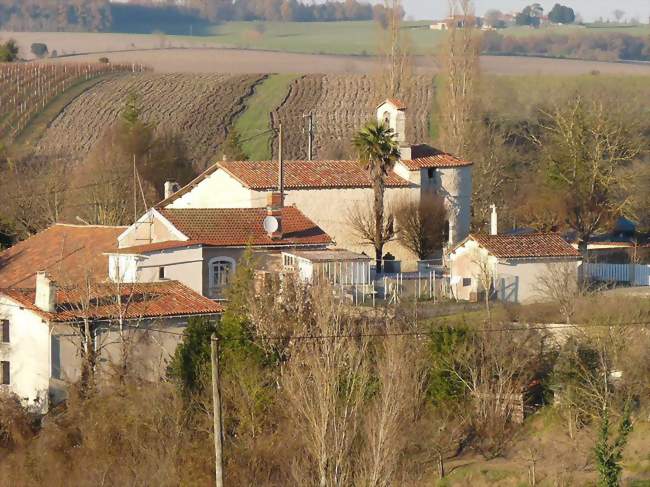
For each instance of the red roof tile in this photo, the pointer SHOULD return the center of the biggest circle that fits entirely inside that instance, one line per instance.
(225, 227)
(424, 156)
(67, 252)
(525, 246)
(399, 104)
(263, 175)
(142, 300)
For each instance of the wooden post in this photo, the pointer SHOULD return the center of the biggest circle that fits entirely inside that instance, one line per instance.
(216, 403)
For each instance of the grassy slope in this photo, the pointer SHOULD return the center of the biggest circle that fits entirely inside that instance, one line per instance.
(39, 123)
(256, 118)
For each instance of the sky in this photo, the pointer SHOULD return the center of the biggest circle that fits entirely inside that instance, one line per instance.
(589, 9)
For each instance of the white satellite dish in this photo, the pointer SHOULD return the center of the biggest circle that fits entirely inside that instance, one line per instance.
(271, 224)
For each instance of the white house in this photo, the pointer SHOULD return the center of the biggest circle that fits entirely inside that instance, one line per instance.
(201, 247)
(42, 329)
(511, 265)
(327, 191)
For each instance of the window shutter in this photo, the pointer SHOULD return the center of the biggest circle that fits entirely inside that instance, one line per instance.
(5, 331)
(5, 372)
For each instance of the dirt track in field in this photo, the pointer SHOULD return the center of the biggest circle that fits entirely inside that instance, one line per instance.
(239, 61)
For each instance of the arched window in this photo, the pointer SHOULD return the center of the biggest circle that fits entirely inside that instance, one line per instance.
(220, 271)
(386, 118)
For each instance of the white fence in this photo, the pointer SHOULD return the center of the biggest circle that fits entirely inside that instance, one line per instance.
(635, 274)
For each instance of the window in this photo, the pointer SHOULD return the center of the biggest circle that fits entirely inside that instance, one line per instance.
(220, 271)
(55, 347)
(5, 373)
(431, 172)
(467, 281)
(161, 272)
(4, 331)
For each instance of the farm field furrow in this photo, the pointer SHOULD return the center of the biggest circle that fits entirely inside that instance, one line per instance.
(200, 108)
(340, 105)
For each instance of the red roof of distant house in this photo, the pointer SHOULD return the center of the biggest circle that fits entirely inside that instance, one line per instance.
(235, 227)
(138, 301)
(533, 245)
(263, 175)
(67, 252)
(424, 156)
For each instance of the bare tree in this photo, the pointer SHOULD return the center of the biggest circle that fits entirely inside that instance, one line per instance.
(559, 284)
(585, 147)
(362, 222)
(395, 48)
(485, 275)
(421, 224)
(494, 369)
(460, 63)
(401, 376)
(325, 384)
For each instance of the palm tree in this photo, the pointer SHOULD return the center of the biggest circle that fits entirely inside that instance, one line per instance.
(378, 151)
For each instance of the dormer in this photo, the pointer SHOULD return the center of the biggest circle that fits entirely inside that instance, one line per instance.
(393, 113)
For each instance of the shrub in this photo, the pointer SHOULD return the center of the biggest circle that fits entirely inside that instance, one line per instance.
(104, 60)
(39, 49)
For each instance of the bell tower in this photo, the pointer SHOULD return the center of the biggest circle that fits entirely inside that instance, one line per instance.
(393, 113)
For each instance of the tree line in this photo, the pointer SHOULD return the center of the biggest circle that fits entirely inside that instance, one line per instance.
(101, 15)
(612, 46)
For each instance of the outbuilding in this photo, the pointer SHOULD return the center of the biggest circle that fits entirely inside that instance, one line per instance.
(509, 267)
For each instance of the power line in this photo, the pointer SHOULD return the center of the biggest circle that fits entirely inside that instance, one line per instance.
(415, 333)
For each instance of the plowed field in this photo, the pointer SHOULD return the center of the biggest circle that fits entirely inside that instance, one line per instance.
(341, 104)
(200, 108)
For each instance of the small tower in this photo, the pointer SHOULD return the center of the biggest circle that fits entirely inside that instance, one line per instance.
(393, 112)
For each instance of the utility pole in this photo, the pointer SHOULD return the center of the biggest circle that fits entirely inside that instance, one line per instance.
(280, 166)
(216, 403)
(310, 135)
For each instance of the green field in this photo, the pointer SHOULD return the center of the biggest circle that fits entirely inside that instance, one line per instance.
(256, 119)
(359, 37)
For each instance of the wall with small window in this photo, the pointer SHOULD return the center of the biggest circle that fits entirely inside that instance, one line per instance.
(25, 354)
(184, 265)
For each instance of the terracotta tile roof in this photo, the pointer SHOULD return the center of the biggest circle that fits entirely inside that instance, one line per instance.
(263, 175)
(424, 156)
(399, 104)
(224, 227)
(142, 300)
(522, 246)
(67, 252)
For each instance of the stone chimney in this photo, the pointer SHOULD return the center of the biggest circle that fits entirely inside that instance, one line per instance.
(494, 226)
(274, 205)
(45, 293)
(170, 188)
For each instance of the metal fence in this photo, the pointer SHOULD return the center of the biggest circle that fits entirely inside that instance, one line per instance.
(395, 287)
(634, 274)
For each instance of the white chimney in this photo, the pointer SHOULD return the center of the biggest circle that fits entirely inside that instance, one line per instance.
(494, 227)
(45, 293)
(170, 188)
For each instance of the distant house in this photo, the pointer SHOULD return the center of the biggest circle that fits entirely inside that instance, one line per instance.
(457, 21)
(511, 264)
(326, 191)
(57, 279)
(202, 246)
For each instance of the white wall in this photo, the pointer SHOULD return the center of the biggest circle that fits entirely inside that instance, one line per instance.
(456, 188)
(28, 354)
(184, 265)
(218, 190)
(528, 273)
(470, 261)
